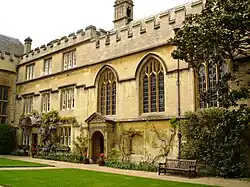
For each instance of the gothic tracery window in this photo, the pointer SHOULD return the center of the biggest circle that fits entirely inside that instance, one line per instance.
(107, 93)
(208, 78)
(152, 87)
(202, 83)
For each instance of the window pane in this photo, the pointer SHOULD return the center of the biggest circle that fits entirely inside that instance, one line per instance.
(161, 92)
(1, 93)
(145, 94)
(65, 66)
(222, 70)
(107, 93)
(202, 84)
(103, 99)
(108, 100)
(114, 98)
(153, 93)
(4, 109)
(212, 85)
(5, 93)
(74, 58)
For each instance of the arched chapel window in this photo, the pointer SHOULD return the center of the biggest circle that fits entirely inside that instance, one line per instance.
(152, 87)
(202, 83)
(107, 93)
(208, 78)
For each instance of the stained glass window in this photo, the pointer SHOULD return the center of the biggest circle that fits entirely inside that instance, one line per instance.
(107, 93)
(202, 84)
(209, 81)
(212, 85)
(152, 87)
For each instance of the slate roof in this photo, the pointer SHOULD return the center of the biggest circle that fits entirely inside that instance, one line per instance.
(11, 45)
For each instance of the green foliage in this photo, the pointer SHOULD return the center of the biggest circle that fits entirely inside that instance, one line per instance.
(7, 139)
(50, 123)
(81, 143)
(218, 139)
(114, 155)
(65, 157)
(174, 122)
(219, 34)
(141, 166)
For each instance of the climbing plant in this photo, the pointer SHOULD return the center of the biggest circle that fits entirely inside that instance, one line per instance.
(151, 136)
(81, 143)
(50, 123)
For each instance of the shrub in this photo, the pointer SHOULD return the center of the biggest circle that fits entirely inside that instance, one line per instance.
(218, 139)
(7, 139)
(141, 166)
(65, 157)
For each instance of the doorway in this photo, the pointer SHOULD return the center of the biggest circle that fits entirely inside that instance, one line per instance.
(34, 139)
(97, 145)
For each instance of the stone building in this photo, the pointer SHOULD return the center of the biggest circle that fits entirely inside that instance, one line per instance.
(122, 85)
(11, 50)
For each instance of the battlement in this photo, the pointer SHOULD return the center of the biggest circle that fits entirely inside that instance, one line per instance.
(6, 56)
(8, 62)
(158, 27)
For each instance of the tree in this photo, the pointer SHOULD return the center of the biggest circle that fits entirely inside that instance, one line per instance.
(220, 33)
(219, 139)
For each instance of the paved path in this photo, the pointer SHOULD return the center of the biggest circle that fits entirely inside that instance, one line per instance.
(60, 165)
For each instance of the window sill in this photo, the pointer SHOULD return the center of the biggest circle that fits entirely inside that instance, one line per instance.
(67, 110)
(153, 114)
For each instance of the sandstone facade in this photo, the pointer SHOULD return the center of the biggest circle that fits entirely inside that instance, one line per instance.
(123, 52)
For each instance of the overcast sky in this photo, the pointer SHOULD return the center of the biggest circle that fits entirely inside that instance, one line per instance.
(46, 20)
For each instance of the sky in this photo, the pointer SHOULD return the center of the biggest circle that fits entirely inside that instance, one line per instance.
(46, 20)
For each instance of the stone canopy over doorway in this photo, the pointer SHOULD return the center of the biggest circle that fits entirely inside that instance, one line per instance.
(101, 133)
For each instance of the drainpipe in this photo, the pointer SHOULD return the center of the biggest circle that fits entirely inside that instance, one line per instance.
(178, 103)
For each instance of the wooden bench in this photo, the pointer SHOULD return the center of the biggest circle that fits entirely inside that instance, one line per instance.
(178, 165)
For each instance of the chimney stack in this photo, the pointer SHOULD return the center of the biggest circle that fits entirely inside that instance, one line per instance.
(27, 45)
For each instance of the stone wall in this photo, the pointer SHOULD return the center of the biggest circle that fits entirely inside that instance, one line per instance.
(8, 76)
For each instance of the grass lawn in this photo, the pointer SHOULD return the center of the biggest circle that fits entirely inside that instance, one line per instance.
(76, 177)
(17, 163)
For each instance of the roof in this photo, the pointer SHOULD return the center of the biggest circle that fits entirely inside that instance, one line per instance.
(98, 118)
(11, 45)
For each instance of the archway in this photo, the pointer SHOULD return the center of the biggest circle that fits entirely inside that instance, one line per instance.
(97, 145)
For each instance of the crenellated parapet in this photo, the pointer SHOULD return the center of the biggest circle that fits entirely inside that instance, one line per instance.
(8, 61)
(6, 56)
(151, 31)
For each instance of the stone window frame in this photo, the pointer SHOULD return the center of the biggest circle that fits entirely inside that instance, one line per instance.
(28, 104)
(67, 98)
(4, 91)
(30, 71)
(46, 102)
(156, 71)
(47, 66)
(107, 92)
(64, 134)
(208, 77)
(69, 59)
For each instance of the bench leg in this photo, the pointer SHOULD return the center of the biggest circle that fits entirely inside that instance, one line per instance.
(189, 174)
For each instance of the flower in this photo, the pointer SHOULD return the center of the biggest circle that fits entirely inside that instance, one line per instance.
(102, 155)
(85, 154)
